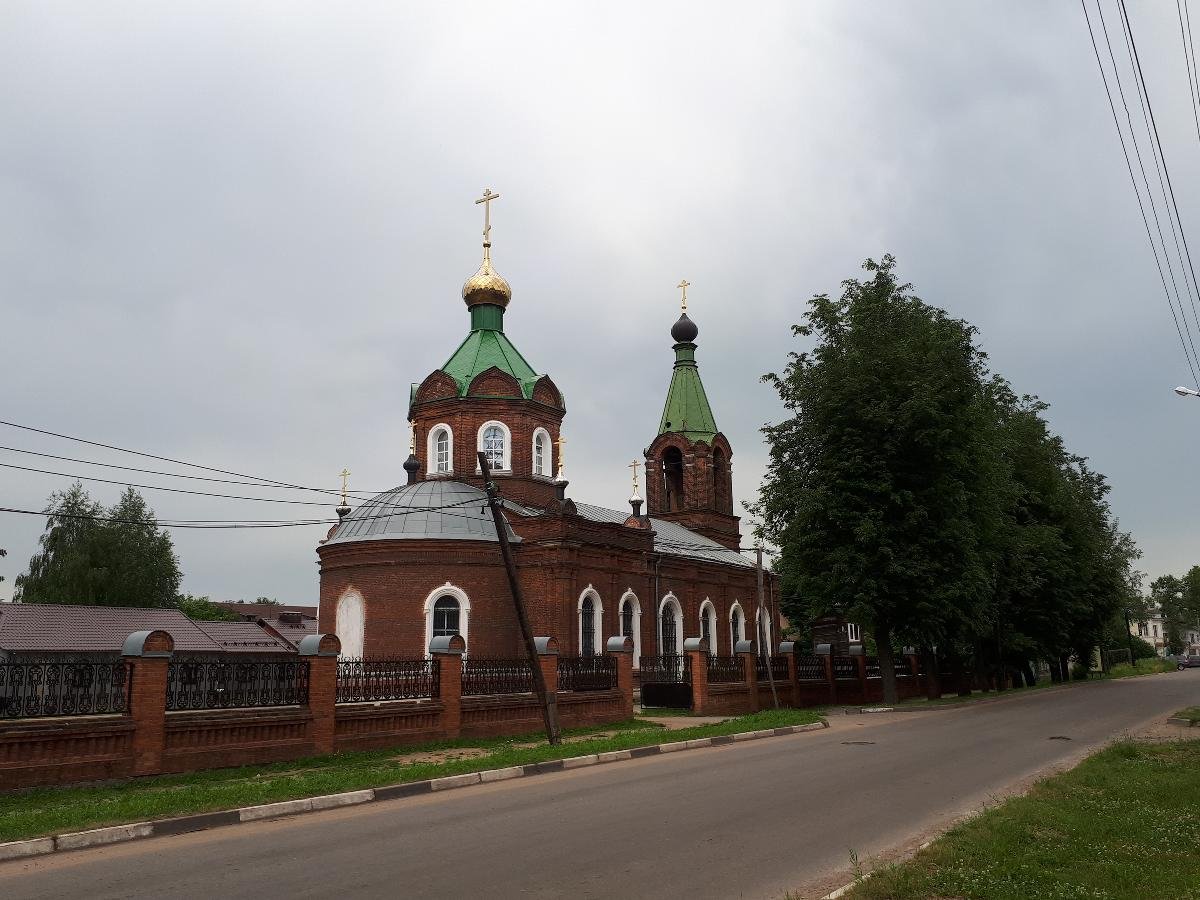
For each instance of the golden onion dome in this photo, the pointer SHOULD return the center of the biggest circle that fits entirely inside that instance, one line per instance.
(486, 285)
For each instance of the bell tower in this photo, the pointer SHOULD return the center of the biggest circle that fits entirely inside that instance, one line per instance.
(688, 465)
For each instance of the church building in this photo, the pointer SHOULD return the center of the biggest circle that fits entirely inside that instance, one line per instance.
(423, 559)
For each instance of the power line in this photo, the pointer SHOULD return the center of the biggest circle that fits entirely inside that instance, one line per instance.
(1187, 351)
(178, 462)
(1189, 61)
(1158, 142)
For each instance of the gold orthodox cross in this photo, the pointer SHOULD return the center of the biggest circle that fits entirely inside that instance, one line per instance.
(634, 466)
(683, 286)
(345, 475)
(486, 200)
(412, 437)
(558, 443)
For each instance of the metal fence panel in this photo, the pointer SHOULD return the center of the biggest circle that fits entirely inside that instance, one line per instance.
(587, 673)
(496, 676)
(375, 680)
(240, 684)
(726, 669)
(35, 688)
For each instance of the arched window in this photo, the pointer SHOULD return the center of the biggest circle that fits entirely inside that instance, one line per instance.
(541, 452)
(496, 444)
(764, 633)
(447, 612)
(670, 627)
(737, 627)
(350, 617)
(631, 624)
(440, 452)
(722, 483)
(673, 478)
(587, 628)
(708, 626)
(590, 609)
(445, 617)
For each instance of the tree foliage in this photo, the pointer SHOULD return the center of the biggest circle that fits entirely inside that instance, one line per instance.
(913, 492)
(202, 609)
(97, 557)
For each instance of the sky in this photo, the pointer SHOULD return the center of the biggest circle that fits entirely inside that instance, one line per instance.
(234, 234)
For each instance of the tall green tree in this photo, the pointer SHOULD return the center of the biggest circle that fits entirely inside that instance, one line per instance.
(881, 487)
(92, 556)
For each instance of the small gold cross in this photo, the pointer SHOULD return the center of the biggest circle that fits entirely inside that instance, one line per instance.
(486, 200)
(634, 466)
(345, 475)
(683, 286)
(558, 443)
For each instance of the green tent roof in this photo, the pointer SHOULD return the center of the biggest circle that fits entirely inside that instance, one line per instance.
(483, 349)
(687, 411)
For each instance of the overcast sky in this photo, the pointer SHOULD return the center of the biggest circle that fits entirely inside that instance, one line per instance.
(234, 233)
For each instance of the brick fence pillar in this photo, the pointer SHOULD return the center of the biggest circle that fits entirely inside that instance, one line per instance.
(825, 652)
(547, 653)
(745, 649)
(621, 648)
(447, 652)
(787, 649)
(697, 653)
(147, 658)
(860, 663)
(321, 651)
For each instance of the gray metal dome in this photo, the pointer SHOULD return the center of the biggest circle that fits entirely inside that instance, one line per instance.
(435, 509)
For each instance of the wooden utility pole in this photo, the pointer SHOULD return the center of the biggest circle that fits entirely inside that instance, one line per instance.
(548, 700)
(761, 608)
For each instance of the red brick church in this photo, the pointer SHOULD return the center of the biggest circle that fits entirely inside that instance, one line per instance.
(423, 559)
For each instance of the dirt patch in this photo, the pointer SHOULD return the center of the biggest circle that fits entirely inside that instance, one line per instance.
(1162, 732)
(574, 739)
(440, 756)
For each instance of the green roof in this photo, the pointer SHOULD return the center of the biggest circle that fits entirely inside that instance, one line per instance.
(687, 411)
(483, 349)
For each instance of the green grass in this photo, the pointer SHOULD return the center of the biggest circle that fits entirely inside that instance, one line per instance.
(41, 811)
(1192, 714)
(1143, 667)
(1121, 825)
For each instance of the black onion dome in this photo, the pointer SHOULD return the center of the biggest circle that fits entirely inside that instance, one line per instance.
(684, 331)
(412, 465)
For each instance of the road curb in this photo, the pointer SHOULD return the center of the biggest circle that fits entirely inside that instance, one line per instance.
(114, 834)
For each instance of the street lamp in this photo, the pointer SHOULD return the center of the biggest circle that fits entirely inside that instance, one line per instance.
(1186, 392)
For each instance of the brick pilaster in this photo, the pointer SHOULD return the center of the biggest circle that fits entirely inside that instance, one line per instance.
(147, 658)
(447, 653)
(745, 649)
(697, 653)
(321, 654)
(621, 649)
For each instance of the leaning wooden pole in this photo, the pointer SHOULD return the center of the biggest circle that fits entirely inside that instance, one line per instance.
(761, 607)
(548, 700)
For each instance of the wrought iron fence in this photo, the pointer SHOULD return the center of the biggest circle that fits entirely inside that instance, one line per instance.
(872, 665)
(725, 669)
(901, 667)
(496, 676)
(33, 688)
(587, 673)
(373, 680)
(845, 667)
(810, 668)
(778, 664)
(667, 668)
(241, 684)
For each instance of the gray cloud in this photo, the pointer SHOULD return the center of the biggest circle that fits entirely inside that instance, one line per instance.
(236, 234)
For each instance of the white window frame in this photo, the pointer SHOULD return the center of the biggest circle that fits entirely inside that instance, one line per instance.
(631, 597)
(547, 462)
(431, 450)
(764, 635)
(464, 613)
(737, 606)
(345, 622)
(853, 633)
(597, 620)
(507, 467)
(707, 610)
(674, 601)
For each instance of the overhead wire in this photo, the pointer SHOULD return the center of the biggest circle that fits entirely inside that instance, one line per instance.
(1188, 350)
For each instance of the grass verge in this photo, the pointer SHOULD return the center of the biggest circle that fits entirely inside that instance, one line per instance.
(1122, 824)
(42, 811)
(1192, 714)
(1143, 667)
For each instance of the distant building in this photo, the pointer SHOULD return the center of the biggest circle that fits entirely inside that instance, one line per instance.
(37, 630)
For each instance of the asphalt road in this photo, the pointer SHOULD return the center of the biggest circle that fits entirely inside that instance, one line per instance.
(747, 820)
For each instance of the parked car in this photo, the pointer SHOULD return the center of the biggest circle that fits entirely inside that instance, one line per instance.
(1187, 662)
